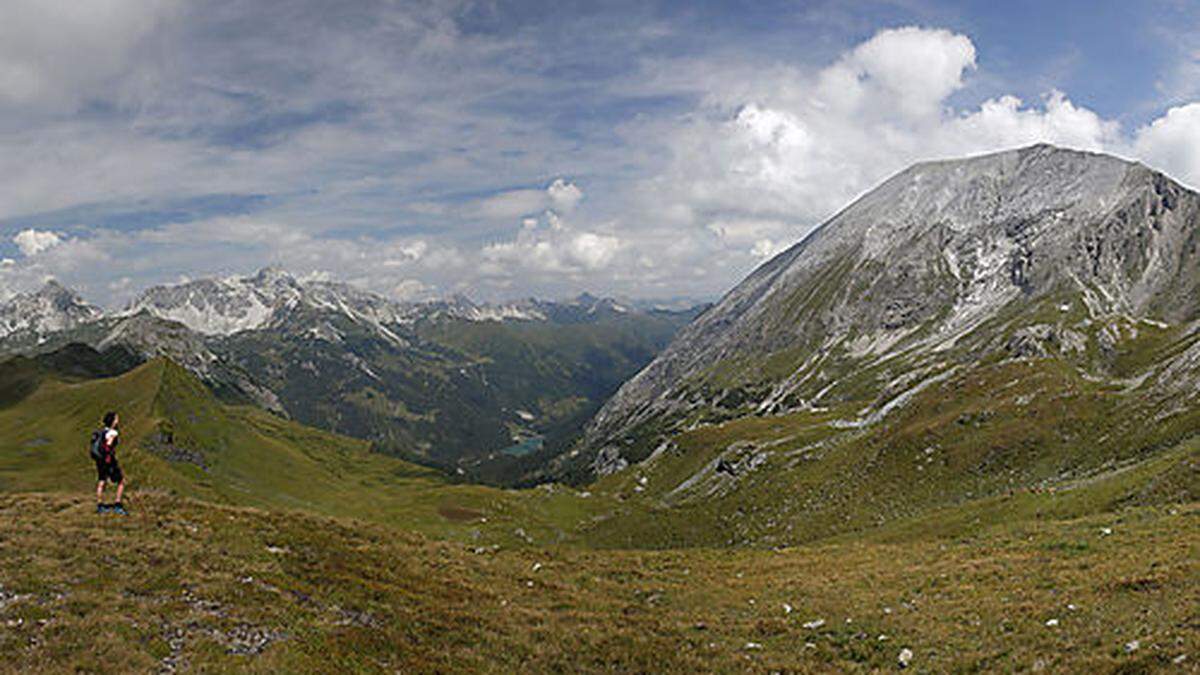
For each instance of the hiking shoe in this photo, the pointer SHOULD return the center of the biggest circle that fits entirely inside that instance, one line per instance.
(101, 508)
(119, 510)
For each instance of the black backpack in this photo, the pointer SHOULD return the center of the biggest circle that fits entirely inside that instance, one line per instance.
(96, 447)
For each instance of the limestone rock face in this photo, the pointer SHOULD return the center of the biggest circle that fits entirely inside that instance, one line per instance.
(50, 309)
(1022, 251)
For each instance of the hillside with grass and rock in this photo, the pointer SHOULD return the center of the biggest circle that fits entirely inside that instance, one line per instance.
(493, 391)
(954, 430)
(972, 329)
(256, 544)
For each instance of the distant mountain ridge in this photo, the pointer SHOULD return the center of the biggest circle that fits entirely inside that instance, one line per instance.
(225, 306)
(49, 309)
(444, 381)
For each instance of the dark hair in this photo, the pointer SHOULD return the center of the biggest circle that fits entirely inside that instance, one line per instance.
(109, 418)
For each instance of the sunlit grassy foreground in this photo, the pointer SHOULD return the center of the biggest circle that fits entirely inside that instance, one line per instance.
(183, 583)
(256, 544)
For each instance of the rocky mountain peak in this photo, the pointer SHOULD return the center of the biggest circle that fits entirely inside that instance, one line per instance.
(273, 277)
(51, 308)
(53, 289)
(945, 255)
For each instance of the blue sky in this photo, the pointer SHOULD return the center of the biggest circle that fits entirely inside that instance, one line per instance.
(506, 149)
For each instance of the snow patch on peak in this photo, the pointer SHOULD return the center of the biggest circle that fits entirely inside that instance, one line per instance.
(213, 307)
(504, 313)
(50, 309)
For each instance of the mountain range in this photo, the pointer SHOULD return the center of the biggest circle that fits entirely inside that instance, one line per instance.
(528, 374)
(953, 429)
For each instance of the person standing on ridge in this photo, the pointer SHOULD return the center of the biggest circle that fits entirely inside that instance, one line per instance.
(104, 451)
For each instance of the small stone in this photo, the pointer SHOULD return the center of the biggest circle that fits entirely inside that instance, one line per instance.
(537, 567)
(882, 638)
(905, 657)
(1105, 531)
(753, 645)
(1052, 623)
(1179, 659)
(787, 609)
(815, 624)
(1132, 646)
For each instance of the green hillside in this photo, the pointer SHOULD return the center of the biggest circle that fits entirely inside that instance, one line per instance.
(559, 373)
(20, 376)
(987, 437)
(257, 544)
(177, 436)
(451, 392)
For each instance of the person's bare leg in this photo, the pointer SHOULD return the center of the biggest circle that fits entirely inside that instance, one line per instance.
(100, 492)
(120, 490)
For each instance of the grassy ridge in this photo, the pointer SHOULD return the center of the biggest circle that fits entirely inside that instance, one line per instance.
(178, 437)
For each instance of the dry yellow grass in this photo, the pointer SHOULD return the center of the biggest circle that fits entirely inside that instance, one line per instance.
(190, 585)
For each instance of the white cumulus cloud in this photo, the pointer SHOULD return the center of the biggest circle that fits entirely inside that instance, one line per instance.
(564, 196)
(32, 242)
(561, 196)
(913, 68)
(1172, 143)
(772, 153)
(592, 250)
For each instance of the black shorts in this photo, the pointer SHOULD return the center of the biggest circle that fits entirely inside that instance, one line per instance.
(110, 471)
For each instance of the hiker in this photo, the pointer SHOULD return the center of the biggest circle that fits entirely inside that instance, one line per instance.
(104, 451)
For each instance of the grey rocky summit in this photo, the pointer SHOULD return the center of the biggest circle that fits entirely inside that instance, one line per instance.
(50, 309)
(223, 307)
(1022, 250)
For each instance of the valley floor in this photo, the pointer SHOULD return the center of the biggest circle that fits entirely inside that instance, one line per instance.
(184, 584)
